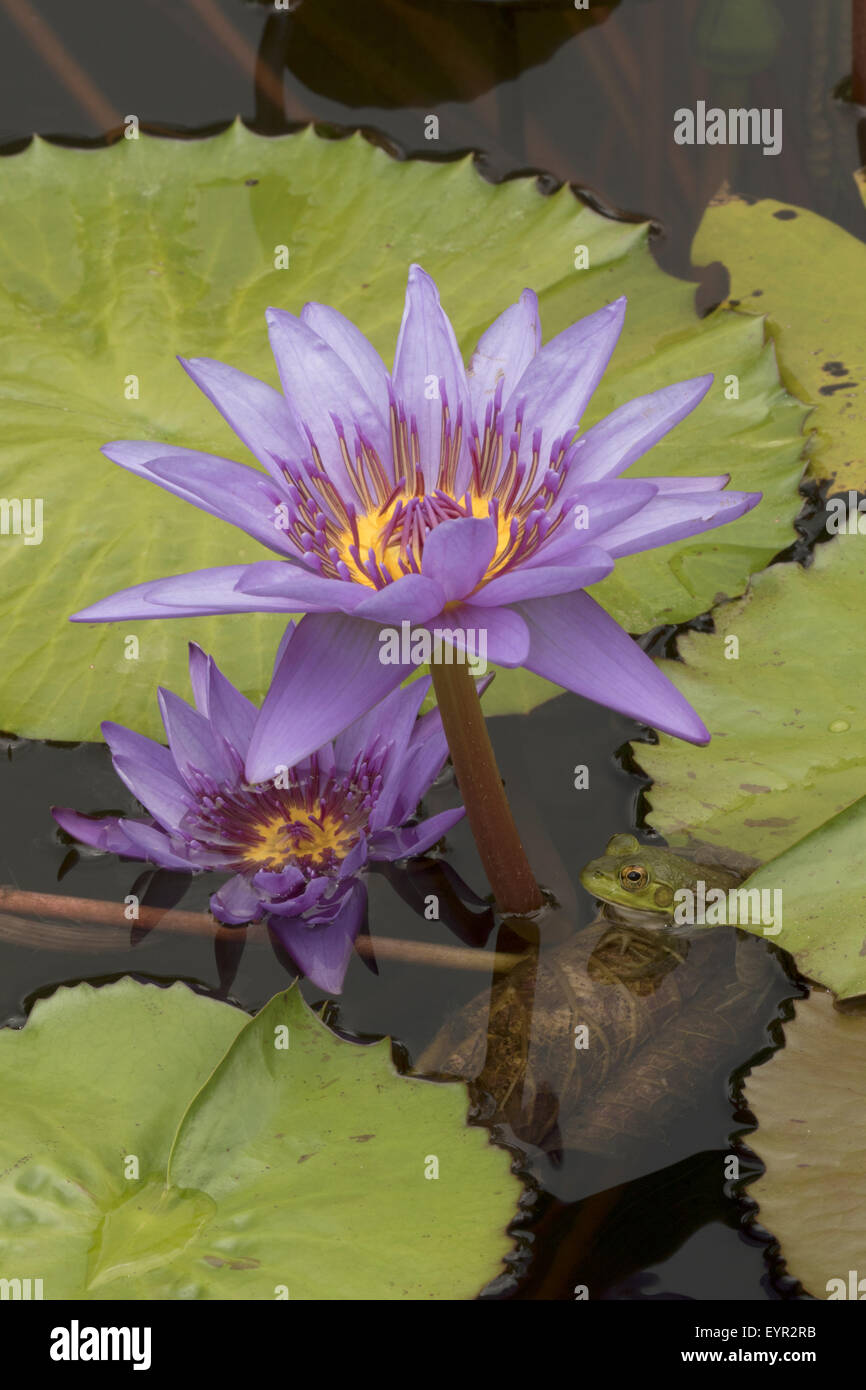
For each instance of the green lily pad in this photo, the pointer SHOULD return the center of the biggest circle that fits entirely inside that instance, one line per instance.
(274, 1159)
(788, 747)
(114, 260)
(809, 277)
(824, 914)
(810, 1103)
(784, 776)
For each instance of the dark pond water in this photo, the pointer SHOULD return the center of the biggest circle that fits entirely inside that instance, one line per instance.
(588, 100)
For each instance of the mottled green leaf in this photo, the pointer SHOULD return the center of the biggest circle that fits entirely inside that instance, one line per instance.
(809, 277)
(784, 777)
(824, 912)
(788, 727)
(304, 1166)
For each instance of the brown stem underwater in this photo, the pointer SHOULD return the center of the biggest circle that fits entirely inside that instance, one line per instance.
(18, 903)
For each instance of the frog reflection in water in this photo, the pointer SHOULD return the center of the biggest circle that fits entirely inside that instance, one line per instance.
(642, 878)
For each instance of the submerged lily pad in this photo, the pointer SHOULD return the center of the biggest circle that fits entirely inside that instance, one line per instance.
(809, 277)
(113, 260)
(160, 1145)
(810, 1104)
(788, 753)
(421, 54)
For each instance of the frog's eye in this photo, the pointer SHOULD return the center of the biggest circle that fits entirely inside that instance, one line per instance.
(633, 877)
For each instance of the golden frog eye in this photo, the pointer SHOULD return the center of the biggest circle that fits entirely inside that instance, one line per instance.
(633, 877)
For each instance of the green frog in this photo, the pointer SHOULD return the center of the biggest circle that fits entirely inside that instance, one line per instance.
(645, 879)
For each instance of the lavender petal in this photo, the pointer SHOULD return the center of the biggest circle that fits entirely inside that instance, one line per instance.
(576, 644)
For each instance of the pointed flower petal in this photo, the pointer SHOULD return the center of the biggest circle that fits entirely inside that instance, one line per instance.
(195, 746)
(323, 952)
(426, 363)
(305, 706)
(257, 413)
(487, 634)
(199, 594)
(575, 643)
(231, 491)
(413, 839)
(671, 518)
(320, 386)
(622, 437)
(358, 353)
(504, 352)
(554, 390)
(589, 565)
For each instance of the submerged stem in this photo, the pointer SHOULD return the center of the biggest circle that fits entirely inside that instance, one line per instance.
(79, 932)
(487, 808)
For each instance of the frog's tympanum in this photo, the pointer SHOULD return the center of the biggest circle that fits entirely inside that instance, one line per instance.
(644, 878)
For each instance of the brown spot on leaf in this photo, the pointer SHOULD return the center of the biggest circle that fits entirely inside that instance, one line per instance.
(772, 822)
(361, 1138)
(752, 787)
(216, 1263)
(785, 214)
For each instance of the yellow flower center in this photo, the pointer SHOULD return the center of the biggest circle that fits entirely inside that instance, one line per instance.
(371, 529)
(312, 835)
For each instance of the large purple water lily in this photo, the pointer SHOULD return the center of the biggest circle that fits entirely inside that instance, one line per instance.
(295, 844)
(436, 496)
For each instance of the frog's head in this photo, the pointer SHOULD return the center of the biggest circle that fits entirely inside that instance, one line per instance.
(635, 875)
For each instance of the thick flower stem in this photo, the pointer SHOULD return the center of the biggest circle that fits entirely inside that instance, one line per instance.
(487, 808)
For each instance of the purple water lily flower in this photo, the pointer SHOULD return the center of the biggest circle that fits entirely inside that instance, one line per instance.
(295, 843)
(439, 496)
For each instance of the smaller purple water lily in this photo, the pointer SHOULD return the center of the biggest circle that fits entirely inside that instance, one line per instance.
(295, 845)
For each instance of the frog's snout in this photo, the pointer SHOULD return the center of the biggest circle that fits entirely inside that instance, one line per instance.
(591, 876)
